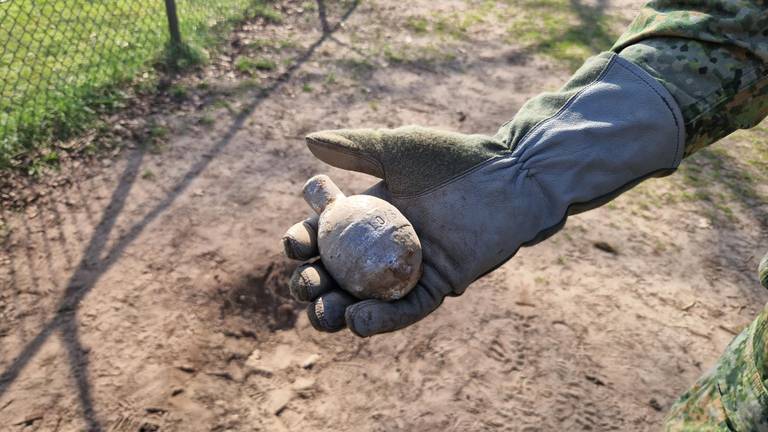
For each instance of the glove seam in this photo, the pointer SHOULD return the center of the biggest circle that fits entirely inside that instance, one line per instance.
(567, 103)
(677, 156)
(619, 61)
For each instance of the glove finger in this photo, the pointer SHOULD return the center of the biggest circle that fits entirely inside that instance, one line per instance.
(300, 241)
(370, 317)
(326, 313)
(310, 281)
(355, 149)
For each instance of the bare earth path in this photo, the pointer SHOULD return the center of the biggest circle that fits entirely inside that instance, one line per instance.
(151, 295)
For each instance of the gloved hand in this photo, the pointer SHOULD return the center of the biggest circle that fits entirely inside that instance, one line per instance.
(474, 200)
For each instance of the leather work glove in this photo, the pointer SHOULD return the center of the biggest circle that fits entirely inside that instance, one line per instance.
(474, 200)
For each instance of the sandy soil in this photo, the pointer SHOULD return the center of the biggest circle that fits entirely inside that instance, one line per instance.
(151, 294)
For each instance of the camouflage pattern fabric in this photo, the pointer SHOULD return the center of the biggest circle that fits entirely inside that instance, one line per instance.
(732, 396)
(711, 55)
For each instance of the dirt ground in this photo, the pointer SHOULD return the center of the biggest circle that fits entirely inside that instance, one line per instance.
(149, 293)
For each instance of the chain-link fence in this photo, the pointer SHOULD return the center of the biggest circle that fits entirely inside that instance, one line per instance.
(62, 61)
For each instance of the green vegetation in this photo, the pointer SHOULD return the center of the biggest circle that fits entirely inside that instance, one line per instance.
(267, 43)
(417, 24)
(249, 65)
(723, 182)
(147, 174)
(65, 62)
(563, 30)
(206, 120)
(178, 92)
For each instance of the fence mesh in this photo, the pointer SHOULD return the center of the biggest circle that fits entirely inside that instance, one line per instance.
(60, 60)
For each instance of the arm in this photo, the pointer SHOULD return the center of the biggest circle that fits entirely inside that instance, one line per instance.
(732, 395)
(476, 199)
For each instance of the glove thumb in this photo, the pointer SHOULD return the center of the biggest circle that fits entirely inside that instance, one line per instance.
(409, 159)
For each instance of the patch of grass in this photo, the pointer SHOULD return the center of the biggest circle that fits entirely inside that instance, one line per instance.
(223, 103)
(417, 24)
(457, 24)
(272, 44)
(265, 64)
(307, 88)
(248, 84)
(147, 174)
(244, 64)
(248, 65)
(206, 120)
(417, 55)
(309, 6)
(267, 12)
(181, 57)
(62, 69)
(561, 30)
(393, 55)
(158, 132)
(178, 92)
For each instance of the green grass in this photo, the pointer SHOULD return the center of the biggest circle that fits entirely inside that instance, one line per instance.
(63, 63)
(723, 183)
(417, 24)
(560, 29)
(248, 65)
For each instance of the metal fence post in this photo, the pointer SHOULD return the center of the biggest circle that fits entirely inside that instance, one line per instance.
(173, 22)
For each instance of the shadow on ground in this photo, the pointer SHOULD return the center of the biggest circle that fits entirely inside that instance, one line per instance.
(92, 267)
(262, 296)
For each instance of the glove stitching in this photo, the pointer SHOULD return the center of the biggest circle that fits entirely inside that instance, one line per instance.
(675, 156)
(568, 103)
(645, 81)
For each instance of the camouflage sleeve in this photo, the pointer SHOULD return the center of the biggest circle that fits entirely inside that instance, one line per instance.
(711, 55)
(732, 396)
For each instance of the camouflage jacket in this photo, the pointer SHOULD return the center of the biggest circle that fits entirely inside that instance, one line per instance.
(713, 57)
